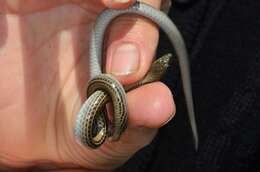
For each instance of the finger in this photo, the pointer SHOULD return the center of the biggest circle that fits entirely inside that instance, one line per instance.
(145, 117)
(155, 111)
(117, 3)
(131, 46)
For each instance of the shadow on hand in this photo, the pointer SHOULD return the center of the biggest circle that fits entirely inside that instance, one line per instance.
(3, 30)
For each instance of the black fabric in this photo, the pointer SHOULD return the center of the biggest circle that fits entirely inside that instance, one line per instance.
(223, 39)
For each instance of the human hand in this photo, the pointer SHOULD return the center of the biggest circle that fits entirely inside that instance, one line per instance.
(44, 73)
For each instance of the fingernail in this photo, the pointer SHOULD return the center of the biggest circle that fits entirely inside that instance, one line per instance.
(120, 1)
(125, 59)
(168, 120)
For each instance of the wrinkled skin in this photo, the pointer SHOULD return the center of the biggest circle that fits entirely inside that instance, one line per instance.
(44, 73)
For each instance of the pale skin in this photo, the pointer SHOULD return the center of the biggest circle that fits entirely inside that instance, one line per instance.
(44, 73)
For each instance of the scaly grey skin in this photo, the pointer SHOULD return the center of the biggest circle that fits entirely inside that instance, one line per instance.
(89, 117)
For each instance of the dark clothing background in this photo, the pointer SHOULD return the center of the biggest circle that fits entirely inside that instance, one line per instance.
(223, 39)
